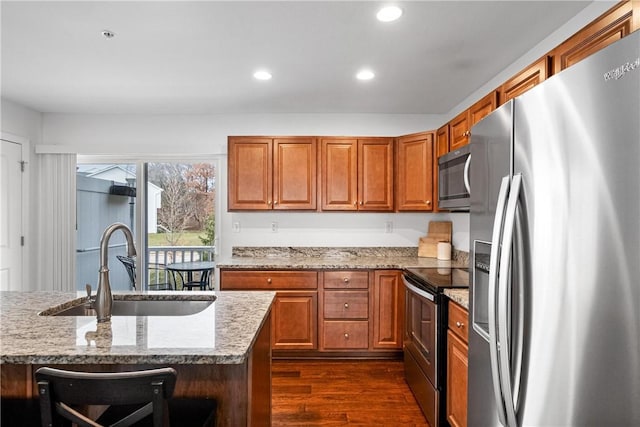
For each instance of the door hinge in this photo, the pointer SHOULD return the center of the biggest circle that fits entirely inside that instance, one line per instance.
(22, 165)
(21, 240)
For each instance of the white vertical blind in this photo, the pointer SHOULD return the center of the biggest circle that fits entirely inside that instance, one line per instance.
(56, 222)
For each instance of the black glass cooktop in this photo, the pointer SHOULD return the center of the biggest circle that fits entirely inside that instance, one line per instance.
(438, 279)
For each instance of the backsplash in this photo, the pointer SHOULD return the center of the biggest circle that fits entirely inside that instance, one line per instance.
(331, 252)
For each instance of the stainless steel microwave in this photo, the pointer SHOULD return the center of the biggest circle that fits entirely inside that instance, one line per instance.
(453, 180)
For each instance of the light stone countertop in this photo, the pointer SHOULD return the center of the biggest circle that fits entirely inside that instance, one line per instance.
(223, 333)
(460, 296)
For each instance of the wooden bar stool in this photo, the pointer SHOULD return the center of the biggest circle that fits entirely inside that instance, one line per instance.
(140, 398)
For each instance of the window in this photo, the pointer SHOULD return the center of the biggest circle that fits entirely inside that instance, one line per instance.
(178, 216)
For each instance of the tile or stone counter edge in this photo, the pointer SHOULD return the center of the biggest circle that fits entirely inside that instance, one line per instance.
(459, 296)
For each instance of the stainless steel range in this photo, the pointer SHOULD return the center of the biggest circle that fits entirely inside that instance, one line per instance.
(425, 336)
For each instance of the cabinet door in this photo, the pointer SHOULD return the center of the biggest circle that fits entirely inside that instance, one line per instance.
(442, 141)
(441, 148)
(339, 174)
(250, 173)
(459, 131)
(295, 321)
(612, 26)
(388, 309)
(414, 172)
(295, 179)
(457, 374)
(482, 108)
(531, 76)
(375, 174)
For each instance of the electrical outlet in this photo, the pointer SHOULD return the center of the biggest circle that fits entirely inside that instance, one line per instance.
(274, 227)
(388, 227)
(236, 227)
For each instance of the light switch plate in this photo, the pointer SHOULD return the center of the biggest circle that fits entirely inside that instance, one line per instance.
(274, 227)
(236, 227)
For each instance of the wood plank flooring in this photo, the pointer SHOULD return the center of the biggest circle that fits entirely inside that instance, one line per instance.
(339, 393)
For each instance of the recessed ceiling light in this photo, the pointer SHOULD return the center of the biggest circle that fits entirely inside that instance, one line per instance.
(108, 34)
(365, 75)
(262, 75)
(389, 13)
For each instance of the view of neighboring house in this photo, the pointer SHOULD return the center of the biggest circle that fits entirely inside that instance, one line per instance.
(125, 174)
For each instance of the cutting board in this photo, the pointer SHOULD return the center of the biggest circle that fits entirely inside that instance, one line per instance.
(439, 231)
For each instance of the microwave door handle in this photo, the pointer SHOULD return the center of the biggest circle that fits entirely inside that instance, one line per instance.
(493, 279)
(466, 174)
(504, 304)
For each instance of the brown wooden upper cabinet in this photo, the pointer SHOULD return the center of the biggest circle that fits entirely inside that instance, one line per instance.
(272, 173)
(356, 174)
(531, 76)
(414, 172)
(614, 25)
(460, 126)
(442, 148)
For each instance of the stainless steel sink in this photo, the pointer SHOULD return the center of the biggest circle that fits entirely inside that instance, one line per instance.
(145, 307)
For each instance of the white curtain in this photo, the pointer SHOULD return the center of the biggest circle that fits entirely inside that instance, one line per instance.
(56, 222)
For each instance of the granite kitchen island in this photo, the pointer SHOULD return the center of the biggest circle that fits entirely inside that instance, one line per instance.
(221, 353)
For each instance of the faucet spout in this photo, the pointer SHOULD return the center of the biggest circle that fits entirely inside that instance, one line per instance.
(104, 298)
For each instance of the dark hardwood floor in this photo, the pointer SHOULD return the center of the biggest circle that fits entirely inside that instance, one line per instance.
(337, 393)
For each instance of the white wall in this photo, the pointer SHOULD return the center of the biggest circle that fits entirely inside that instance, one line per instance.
(587, 15)
(207, 133)
(205, 137)
(23, 122)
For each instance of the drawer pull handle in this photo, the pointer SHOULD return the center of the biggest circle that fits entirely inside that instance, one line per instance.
(459, 324)
(346, 336)
(346, 305)
(269, 280)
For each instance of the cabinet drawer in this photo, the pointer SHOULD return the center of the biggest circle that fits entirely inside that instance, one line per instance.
(346, 305)
(346, 335)
(459, 321)
(346, 280)
(268, 280)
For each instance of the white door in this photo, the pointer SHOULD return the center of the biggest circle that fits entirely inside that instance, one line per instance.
(10, 216)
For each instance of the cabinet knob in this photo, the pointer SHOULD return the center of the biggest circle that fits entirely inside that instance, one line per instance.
(428, 202)
(346, 280)
(269, 202)
(275, 202)
(346, 305)
(361, 203)
(346, 336)
(355, 203)
(459, 324)
(269, 280)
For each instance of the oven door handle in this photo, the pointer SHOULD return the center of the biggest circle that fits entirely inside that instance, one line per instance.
(418, 291)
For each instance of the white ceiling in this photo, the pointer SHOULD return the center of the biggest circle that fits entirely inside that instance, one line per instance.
(199, 57)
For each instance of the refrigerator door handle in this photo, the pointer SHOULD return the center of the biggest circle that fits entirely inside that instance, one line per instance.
(466, 174)
(505, 335)
(493, 279)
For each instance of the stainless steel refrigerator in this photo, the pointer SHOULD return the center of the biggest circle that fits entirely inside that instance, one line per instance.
(555, 250)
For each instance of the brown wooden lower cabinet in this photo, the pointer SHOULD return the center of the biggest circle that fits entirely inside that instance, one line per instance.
(295, 320)
(294, 317)
(329, 313)
(457, 366)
